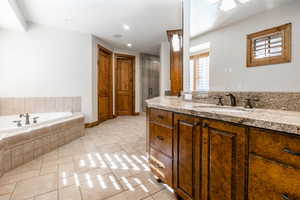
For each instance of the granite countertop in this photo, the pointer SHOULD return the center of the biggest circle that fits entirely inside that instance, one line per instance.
(278, 120)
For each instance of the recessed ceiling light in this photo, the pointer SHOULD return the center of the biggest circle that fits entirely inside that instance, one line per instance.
(68, 20)
(227, 5)
(243, 1)
(117, 35)
(126, 27)
(213, 1)
(129, 45)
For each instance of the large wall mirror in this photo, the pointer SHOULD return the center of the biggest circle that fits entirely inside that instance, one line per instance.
(216, 55)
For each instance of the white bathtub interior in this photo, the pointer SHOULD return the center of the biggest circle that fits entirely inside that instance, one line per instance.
(7, 124)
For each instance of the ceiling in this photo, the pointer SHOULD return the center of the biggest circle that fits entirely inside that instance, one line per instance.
(148, 19)
(206, 16)
(10, 17)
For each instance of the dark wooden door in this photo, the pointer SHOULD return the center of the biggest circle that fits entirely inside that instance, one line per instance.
(124, 86)
(187, 156)
(176, 63)
(104, 85)
(224, 161)
(176, 72)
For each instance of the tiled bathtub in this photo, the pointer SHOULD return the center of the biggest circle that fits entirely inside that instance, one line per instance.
(21, 145)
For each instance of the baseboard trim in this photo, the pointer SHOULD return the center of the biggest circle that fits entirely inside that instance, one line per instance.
(92, 124)
(136, 113)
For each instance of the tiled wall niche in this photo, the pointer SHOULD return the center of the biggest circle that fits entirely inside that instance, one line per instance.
(13, 106)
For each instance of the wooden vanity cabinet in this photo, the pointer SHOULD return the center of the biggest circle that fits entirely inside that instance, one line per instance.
(203, 159)
(224, 161)
(187, 156)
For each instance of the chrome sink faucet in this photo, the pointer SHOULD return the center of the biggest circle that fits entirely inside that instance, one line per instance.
(232, 99)
(27, 122)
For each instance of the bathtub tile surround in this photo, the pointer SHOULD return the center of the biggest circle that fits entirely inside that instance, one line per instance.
(22, 146)
(289, 101)
(1, 157)
(14, 106)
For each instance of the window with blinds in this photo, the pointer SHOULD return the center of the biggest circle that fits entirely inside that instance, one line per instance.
(268, 46)
(199, 72)
(272, 46)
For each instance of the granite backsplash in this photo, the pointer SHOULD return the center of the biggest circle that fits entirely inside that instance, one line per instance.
(268, 100)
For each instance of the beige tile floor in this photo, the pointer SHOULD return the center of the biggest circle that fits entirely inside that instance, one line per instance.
(108, 163)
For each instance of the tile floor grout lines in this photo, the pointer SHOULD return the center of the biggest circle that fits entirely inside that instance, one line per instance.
(108, 163)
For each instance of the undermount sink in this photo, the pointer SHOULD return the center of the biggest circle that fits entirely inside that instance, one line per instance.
(224, 109)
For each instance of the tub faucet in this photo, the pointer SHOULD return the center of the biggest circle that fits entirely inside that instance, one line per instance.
(27, 122)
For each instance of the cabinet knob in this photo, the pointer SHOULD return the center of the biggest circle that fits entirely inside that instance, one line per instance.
(196, 123)
(205, 125)
(285, 197)
(158, 166)
(160, 138)
(160, 116)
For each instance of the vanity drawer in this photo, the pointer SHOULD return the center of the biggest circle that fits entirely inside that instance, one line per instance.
(161, 166)
(161, 116)
(161, 138)
(277, 146)
(270, 180)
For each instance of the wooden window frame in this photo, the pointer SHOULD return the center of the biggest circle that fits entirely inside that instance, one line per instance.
(196, 62)
(286, 56)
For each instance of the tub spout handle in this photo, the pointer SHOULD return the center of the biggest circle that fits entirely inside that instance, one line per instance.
(35, 120)
(18, 123)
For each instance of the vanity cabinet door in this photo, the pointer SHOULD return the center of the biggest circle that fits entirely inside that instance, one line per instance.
(187, 150)
(223, 161)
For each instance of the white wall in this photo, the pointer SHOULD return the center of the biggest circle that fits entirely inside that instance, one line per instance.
(228, 69)
(46, 62)
(164, 67)
(186, 44)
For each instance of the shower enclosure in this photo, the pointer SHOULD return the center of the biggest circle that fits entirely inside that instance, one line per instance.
(150, 69)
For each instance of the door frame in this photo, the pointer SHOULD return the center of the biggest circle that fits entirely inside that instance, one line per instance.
(133, 58)
(101, 48)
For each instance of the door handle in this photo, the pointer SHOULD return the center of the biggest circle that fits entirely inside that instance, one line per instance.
(150, 92)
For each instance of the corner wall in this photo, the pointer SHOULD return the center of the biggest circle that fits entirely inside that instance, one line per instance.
(164, 68)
